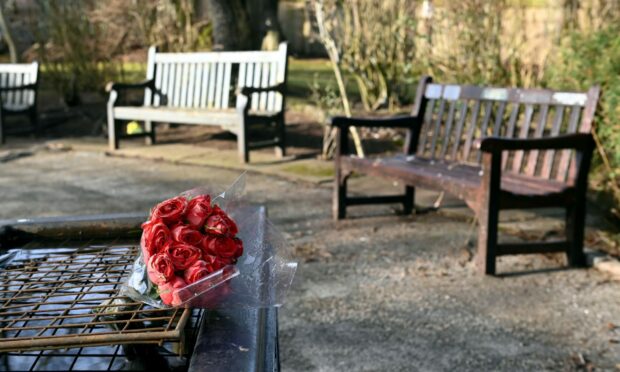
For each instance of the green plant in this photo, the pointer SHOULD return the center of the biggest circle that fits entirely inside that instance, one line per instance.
(587, 58)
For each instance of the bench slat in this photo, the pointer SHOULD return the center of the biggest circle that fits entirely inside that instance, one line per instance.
(256, 83)
(212, 79)
(150, 74)
(448, 129)
(530, 168)
(566, 155)
(488, 107)
(436, 127)
(218, 57)
(204, 89)
(273, 80)
(523, 133)
(191, 82)
(471, 132)
(226, 86)
(555, 130)
(499, 118)
(219, 87)
(426, 126)
(510, 129)
(264, 84)
(459, 130)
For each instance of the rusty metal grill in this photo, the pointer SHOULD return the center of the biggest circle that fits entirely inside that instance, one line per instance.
(68, 298)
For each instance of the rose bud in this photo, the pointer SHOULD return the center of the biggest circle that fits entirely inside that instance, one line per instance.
(221, 246)
(186, 235)
(219, 223)
(169, 292)
(160, 268)
(183, 255)
(170, 211)
(198, 210)
(156, 236)
(196, 272)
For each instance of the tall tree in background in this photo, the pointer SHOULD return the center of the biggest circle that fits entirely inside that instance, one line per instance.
(231, 26)
(244, 24)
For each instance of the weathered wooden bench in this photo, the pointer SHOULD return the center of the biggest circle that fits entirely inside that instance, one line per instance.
(494, 148)
(234, 90)
(18, 93)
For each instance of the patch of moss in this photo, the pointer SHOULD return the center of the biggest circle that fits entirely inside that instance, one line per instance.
(314, 170)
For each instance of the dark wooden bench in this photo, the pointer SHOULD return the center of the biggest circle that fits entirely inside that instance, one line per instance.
(494, 148)
(233, 90)
(18, 93)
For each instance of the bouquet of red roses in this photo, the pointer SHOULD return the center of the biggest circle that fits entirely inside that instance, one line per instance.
(211, 250)
(186, 240)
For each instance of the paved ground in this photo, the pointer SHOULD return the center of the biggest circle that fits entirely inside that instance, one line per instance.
(376, 292)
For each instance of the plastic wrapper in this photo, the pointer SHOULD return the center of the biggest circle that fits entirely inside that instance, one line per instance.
(261, 276)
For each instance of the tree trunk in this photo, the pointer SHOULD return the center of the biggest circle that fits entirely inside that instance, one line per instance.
(264, 23)
(231, 27)
(6, 33)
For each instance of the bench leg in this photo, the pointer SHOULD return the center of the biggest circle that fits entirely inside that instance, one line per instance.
(408, 204)
(281, 133)
(149, 127)
(339, 202)
(575, 226)
(242, 144)
(112, 139)
(488, 220)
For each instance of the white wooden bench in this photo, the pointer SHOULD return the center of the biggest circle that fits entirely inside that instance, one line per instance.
(235, 90)
(18, 93)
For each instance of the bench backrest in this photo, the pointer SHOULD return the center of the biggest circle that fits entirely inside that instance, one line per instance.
(18, 74)
(455, 116)
(209, 80)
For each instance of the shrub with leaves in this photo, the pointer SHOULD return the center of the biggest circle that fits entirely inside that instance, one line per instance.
(591, 58)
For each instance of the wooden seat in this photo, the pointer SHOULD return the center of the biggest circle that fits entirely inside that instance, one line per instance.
(233, 90)
(18, 93)
(494, 148)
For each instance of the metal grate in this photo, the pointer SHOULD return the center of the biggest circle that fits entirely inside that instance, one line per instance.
(68, 297)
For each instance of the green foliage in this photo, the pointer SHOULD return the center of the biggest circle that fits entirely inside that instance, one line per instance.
(592, 58)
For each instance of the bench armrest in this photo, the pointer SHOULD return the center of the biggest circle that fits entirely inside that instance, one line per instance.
(393, 122)
(246, 91)
(127, 86)
(19, 87)
(114, 88)
(578, 141)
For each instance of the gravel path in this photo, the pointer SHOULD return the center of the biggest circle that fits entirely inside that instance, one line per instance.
(376, 292)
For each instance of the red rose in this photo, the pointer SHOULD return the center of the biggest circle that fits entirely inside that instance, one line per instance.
(198, 210)
(170, 211)
(169, 292)
(183, 255)
(156, 236)
(239, 244)
(219, 223)
(221, 246)
(213, 263)
(186, 235)
(160, 268)
(196, 272)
